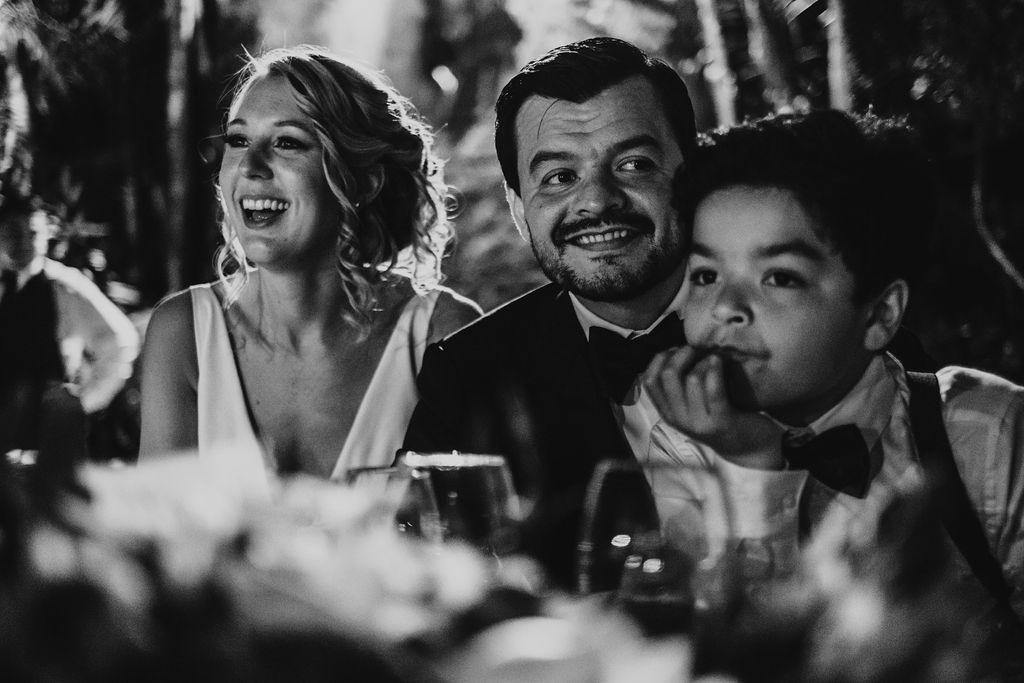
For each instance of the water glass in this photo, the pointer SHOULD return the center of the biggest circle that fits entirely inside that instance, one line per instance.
(476, 499)
(403, 496)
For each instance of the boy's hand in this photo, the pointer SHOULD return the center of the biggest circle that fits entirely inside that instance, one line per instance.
(687, 386)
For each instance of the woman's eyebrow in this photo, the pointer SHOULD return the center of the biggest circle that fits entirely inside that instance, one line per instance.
(284, 123)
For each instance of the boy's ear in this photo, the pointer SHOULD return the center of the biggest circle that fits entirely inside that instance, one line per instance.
(518, 211)
(885, 315)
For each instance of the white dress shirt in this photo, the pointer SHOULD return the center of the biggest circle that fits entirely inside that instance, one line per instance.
(984, 419)
(98, 342)
(637, 414)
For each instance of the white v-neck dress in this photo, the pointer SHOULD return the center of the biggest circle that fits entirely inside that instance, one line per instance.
(226, 430)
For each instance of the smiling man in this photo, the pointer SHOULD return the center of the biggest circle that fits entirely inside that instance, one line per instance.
(590, 138)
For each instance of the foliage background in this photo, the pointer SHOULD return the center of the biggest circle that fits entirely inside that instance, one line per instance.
(112, 110)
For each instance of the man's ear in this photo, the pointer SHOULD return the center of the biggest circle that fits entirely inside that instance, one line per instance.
(518, 211)
(885, 315)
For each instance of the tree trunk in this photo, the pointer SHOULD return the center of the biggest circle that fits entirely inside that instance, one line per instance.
(766, 55)
(716, 68)
(181, 29)
(839, 90)
(16, 159)
(978, 197)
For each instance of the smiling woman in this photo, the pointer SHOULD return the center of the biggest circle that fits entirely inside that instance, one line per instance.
(303, 356)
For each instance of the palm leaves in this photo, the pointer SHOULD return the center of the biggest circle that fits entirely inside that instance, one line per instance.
(51, 53)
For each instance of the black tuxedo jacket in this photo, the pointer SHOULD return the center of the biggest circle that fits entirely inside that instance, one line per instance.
(520, 382)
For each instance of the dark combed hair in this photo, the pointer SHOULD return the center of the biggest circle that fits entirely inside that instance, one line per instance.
(576, 73)
(863, 179)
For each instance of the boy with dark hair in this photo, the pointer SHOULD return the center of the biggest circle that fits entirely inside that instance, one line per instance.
(806, 232)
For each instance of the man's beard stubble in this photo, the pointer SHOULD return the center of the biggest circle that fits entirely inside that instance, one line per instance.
(615, 283)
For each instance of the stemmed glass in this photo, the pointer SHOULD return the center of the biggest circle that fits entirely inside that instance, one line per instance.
(657, 537)
(617, 510)
(476, 499)
(402, 496)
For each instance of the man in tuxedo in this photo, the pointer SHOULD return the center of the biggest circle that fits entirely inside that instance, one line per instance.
(591, 138)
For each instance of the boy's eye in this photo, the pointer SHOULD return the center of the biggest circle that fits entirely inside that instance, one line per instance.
(703, 277)
(781, 278)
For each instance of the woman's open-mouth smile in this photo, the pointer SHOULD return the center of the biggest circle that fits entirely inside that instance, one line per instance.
(261, 211)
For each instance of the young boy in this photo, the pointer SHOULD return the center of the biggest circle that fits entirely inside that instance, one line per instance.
(806, 230)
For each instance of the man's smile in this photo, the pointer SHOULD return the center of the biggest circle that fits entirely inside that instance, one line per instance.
(603, 233)
(609, 239)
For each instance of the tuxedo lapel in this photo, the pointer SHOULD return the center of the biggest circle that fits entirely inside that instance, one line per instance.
(575, 399)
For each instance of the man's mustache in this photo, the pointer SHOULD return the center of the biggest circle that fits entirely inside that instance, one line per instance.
(635, 220)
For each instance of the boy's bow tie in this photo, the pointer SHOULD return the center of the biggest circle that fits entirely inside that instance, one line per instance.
(838, 457)
(620, 360)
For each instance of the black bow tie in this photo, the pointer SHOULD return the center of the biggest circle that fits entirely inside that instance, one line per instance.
(620, 360)
(838, 457)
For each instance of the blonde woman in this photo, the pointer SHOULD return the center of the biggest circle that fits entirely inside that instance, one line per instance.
(302, 357)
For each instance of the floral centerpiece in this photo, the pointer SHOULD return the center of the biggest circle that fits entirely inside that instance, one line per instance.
(177, 570)
(174, 570)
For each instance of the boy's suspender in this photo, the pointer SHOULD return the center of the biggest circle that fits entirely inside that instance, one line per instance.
(958, 515)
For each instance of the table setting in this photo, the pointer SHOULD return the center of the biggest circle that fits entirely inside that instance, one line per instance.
(178, 570)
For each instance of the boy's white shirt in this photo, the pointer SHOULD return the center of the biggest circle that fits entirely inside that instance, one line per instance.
(765, 503)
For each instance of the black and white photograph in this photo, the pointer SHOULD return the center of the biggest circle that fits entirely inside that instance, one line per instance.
(512, 341)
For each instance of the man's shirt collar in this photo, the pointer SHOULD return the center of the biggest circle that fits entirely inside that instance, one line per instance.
(590, 319)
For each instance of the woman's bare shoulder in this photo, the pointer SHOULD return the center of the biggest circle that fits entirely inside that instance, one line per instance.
(452, 312)
(174, 309)
(170, 334)
(169, 379)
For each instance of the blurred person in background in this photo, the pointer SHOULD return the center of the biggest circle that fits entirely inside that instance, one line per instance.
(590, 138)
(64, 345)
(302, 357)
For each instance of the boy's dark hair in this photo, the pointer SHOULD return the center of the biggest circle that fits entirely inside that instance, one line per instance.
(579, 71)
(863, 179)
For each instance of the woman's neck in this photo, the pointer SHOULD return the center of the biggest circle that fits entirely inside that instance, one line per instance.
(293, 309)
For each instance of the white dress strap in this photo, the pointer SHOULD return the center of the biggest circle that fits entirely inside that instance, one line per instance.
(224, 428)
(379, 426)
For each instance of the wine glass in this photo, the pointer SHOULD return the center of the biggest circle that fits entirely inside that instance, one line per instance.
(696, 530)
(403, 496)
(658, 537)
(475, 497)
(617, 510)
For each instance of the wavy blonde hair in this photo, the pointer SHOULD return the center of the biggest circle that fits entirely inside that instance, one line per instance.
(372, 137)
